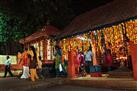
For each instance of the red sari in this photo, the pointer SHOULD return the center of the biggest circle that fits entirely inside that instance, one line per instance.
(108, 60)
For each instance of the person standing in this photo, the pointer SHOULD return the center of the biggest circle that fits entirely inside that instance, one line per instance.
(108, 59)
(108, 56)
(88, 60)
(33, 63)
(39, 68)
(82, 64)
(77, 62)
(25, 73)
(7, 67)
(58, 60)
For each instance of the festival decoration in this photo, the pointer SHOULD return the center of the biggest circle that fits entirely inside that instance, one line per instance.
(100, 39)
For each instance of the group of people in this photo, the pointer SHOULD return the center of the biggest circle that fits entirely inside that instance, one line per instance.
(30, 62)
(83, 62)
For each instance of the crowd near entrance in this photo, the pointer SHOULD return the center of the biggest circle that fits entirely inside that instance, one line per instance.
(102, 50)
(105, 50)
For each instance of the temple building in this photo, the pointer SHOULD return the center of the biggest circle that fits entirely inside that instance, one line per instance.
(112, 27)
(43, 41)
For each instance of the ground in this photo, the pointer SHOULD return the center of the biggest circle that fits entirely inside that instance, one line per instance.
(51, 84)
(76, 88)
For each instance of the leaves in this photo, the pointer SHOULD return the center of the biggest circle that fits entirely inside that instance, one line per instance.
(22, 17)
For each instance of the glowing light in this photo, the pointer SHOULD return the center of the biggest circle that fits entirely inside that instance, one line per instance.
(82, 38)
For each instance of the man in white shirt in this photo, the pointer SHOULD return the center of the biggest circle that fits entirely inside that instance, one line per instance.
(7, 67)
(88, 60)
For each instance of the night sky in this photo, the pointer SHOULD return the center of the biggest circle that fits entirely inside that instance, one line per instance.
(81, 6)
(78, 6)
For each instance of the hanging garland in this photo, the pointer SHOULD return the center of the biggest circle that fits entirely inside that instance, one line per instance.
(100, 38)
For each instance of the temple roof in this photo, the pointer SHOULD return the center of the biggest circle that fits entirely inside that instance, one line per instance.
(115, 11)
(46, 32)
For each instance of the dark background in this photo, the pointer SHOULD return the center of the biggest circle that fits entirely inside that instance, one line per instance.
(21, 18)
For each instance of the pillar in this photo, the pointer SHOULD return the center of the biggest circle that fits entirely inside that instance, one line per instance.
(133, 49)
(44, 49)
(71, 67)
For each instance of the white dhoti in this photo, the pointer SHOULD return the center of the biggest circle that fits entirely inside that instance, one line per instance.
(25, 72)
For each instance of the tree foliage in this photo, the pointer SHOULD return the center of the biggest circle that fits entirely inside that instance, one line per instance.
(24, 17)
(8, 28)
(20, 18)
(40, 12)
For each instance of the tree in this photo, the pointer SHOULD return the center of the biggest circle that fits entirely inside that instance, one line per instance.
(23, 17)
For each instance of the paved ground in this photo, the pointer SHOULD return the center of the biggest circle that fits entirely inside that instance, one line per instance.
(125, 84)
(72, 88)
(15, 84)
(55, 84)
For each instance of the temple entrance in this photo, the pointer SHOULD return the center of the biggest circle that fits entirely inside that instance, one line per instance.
(109, 46)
